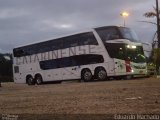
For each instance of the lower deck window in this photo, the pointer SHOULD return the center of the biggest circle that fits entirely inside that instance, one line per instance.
(71, 61)
(16, 69)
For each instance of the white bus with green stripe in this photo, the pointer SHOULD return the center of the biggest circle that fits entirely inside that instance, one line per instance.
(97, 54)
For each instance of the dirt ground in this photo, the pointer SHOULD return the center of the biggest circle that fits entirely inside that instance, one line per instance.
(138, 96)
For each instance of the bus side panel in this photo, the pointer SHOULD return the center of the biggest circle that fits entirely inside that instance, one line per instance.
(71, 73)
(120, 67)
(52, 75)
(19, 76)
(24, 70)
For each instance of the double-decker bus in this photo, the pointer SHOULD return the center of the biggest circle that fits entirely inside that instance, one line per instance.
(98, 53)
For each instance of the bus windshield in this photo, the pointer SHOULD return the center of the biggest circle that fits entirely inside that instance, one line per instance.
(128, 34)
(126, 52)
(135, 54)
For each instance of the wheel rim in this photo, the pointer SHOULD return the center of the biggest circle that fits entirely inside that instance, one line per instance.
(87, 75)
(39, 80)
(128, 77)
(101, 74)
(30, 81)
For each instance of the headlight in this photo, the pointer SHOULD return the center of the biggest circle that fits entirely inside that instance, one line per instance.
(131, 46)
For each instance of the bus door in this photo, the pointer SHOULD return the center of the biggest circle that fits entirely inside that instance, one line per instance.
(110, 68)
(120, 67)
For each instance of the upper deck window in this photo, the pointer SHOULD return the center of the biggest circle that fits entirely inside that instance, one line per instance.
(128, 34)
(81, 39)
(113, 33)
(108, 33)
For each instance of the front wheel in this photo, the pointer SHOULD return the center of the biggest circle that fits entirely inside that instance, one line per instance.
(86, 75)
(128, 77)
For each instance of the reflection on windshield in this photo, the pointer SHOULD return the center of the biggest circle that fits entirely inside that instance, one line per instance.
(136, 55)
(123, 52)
(129, 34)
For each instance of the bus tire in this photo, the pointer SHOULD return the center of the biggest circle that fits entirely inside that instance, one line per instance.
(30, 80)
(101, 74)
(128, 77)
(86, 75)
(38, 79)
(118, 78)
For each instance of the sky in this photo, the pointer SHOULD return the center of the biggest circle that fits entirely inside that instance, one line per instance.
(29, 21)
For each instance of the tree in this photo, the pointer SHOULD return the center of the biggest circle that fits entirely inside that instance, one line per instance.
(156, 51)
(156, 58)
(152, 14)
(155, 13)
(5, 67)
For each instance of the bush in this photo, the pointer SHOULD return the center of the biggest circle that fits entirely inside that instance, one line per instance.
(6, 68)
(6, 78)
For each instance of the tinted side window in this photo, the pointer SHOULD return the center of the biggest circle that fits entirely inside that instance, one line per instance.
(109, 33)
(65, 42)
(38, 48)
(55, 44)
(88, 59)
(93, 59)
(116, 50)
(79, 39)
(87, 39)
(18, 52)
(47, 46)
(48, 64)
(16, 69)
(64, 62)
(71, 61)
(70, 41)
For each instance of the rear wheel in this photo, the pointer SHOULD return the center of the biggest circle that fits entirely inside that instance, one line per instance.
(128, 77)
(119, 78)
(30, 80)
(101, 74)
(86, 75)
(38, 80)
